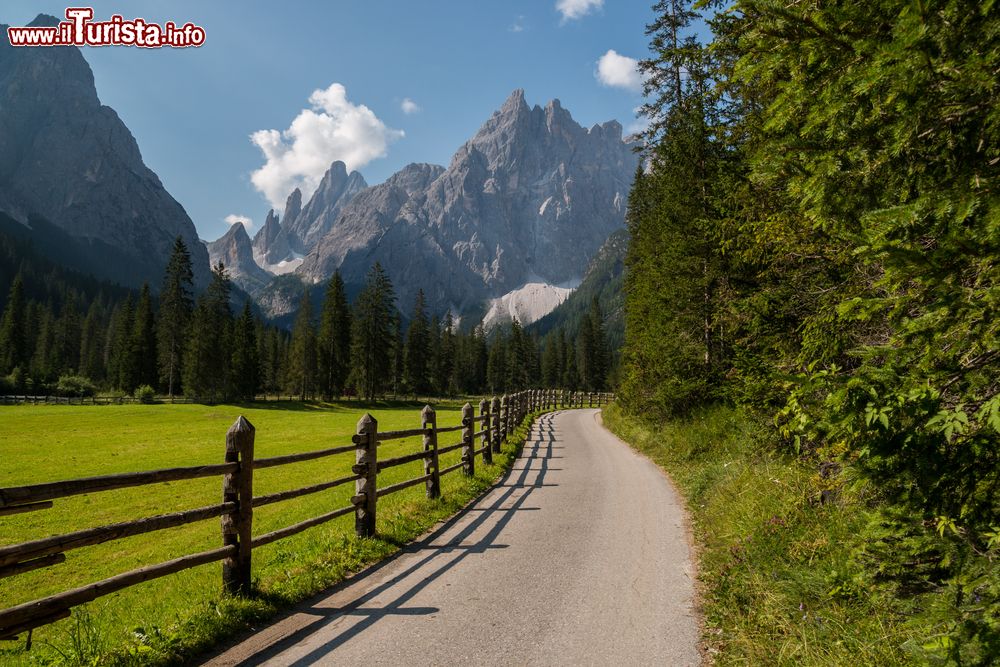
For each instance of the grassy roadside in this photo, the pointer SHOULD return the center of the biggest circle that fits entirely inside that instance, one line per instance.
(185, 614)
(782, 577)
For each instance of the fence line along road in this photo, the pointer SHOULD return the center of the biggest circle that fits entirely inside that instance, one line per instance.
(495, 422)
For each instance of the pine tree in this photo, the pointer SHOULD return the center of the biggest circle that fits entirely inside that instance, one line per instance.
(14, 350)
(123, 369)
(372, 334)
(68, 335)
(302, 376)
(551, 371)
(334, 342)
(446, 355)
(397, 353)
(144, 340)
(206, 355)
(92, 344)
(245, 364)
(496, 366)
(176, 307)
(417, 355)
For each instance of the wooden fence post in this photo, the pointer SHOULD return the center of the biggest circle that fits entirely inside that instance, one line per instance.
(365, 495)
(237, 527)
(497, 414)
(502, 426)
(468, 442)
(484, 412)
(428, 420)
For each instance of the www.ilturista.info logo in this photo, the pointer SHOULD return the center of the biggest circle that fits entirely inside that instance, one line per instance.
(80, 30)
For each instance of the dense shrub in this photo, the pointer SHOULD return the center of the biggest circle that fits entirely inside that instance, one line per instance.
(145, 394)
(75, 385)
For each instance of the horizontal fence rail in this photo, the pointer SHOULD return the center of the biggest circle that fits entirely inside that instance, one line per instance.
(495, 421)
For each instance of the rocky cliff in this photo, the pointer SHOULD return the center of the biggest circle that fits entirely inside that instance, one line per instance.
(70, 161)
(235, 251)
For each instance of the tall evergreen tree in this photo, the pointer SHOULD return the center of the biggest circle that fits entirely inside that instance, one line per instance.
(92, 344)
(496, 365)
(14, 350)
(334, 342)
(417, 355)
(144, 340)
(244, 362)
(446, 355)
(123, 366)
(302, 375)
(176, 307)
(206, 355)
(372, 334)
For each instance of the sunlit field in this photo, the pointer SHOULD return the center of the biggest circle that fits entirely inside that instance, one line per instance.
(49, 443)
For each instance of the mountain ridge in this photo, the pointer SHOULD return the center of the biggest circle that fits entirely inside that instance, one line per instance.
(70, 160)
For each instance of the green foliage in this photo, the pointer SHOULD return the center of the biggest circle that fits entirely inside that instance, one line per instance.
(145, 394)
(301, 379)
(75, 385)
(417, 353)
(815, 237)
(373, 334)
(176, 307)
(205, 366)
(334, 342)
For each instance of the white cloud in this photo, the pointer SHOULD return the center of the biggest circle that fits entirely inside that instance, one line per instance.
(234, 219)
(409, 106)
(577, 9)
(518, 25)
(333, 129)
(618, 71)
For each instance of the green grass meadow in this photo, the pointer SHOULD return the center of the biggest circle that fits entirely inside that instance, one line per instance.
(168, 620)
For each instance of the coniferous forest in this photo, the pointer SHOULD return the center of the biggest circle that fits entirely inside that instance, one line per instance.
(815, 236)
(64, 334)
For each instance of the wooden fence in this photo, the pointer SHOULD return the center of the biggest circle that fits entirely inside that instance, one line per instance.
(495, 422)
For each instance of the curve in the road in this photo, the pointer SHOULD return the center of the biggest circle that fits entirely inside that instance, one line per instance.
(578, 557)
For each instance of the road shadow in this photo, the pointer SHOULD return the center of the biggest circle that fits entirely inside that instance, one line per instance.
(514, 489)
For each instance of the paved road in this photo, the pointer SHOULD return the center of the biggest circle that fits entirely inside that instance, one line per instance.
(578, 557)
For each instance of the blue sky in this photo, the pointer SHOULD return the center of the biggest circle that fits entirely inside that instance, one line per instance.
(193, 111)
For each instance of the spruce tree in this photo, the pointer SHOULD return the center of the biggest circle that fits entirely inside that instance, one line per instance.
(302, 375)
(14, 351)
(446, 355)
(176, 307)
(144, 340)
(417, 355)
(244, 362)
(206, 355)
(334, 341)
(372, 334)
(123, 366)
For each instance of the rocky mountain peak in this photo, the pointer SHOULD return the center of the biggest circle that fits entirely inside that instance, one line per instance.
(235, 250)
(67, 159)
(337, 188)
(293, 206)
(529, 199)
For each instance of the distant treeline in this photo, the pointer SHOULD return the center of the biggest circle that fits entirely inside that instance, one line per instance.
(815, 235)
(57, 337)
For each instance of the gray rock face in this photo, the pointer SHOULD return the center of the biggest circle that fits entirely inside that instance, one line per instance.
(264, 239)
(68, 159)
(530, 198)
(235, 250)
(301, 228)
(335, 191)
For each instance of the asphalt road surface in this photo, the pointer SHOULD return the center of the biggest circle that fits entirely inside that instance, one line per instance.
(578, 557)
